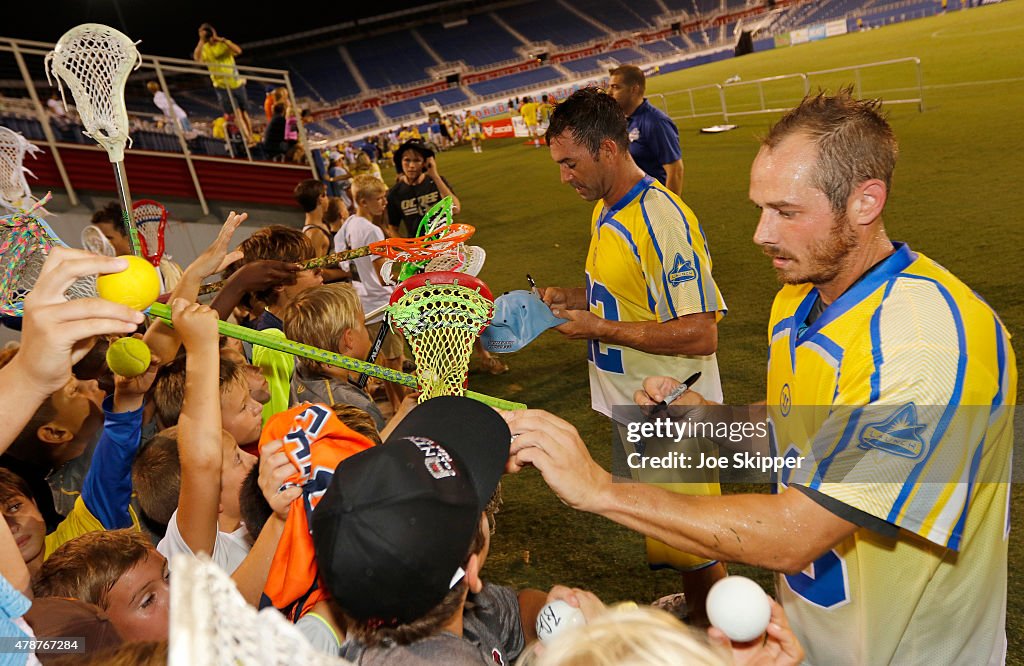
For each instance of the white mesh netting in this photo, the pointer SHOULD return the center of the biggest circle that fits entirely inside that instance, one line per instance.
(468, 259)
(25, 242)
(94, 61)
(14, 190)
(94, 241)
(441, 322)
(212, 625)
(150, 219)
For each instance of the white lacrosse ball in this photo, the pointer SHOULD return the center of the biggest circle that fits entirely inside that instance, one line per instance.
(556, 618)
(739, 607)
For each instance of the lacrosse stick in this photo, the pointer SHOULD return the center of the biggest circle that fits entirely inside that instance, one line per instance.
(14, 190)
(25, 241)
(150, 218)
(441, 314)
(375, 348)
(211, 624)
(330, 358)
(94, 241)
(94, 61)
(437, 218)
(400, 249)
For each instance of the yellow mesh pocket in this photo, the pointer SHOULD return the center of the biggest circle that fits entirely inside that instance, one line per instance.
(441, 319)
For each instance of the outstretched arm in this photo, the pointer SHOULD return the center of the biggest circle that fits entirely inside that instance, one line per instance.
(107, 487)
(199, 427)
(753, 529)
(163, 340)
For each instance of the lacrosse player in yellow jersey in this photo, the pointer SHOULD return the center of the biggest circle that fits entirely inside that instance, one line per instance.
(894, 384)
(650, 302)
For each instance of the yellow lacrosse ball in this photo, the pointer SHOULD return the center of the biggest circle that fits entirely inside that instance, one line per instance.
(137, 286)
(128, 357)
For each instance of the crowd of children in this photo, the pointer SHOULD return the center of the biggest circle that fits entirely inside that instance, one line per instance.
(271, 466)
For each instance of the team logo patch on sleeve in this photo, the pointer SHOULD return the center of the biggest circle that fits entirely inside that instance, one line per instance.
(634, 134)
(900, 434)
(682, 271)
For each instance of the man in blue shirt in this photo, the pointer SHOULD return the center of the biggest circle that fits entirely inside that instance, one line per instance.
(653, 137)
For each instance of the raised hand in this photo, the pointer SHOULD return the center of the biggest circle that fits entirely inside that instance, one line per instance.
(195, 323)
(57, 333)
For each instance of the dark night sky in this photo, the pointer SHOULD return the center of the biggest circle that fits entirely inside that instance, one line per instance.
(168, 27)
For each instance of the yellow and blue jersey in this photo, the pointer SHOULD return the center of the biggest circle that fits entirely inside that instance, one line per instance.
(648, 261)
(899, 398)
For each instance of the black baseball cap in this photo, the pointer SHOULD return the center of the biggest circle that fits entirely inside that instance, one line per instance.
(394, 528)
(420, 147)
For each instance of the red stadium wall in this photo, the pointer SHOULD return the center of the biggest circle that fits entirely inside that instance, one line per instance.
(160, 174)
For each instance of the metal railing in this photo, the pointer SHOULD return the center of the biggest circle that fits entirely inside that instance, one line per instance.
(155, 68)
(769, 100)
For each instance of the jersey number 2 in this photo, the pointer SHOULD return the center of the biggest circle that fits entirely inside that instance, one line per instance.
(610, 360)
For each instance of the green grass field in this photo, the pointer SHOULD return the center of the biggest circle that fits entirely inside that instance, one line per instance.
(956, 197)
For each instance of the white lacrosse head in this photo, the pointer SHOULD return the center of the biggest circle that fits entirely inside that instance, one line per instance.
(94, 241)
(94, 61)
(469, 259)
(211, 624)
(14, 190)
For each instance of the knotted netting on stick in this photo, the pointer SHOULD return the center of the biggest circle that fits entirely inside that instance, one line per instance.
(441, 314)
(25, 242)
(14, 190)
(94, 61)
(212, 625)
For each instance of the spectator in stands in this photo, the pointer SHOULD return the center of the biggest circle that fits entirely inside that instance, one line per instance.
(219, 55)
(274, 144)
(653, 137)
(164, 104)
(274, 95)
(419, 186)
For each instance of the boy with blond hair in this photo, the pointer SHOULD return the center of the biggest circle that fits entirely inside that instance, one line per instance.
(329, 317)
(370, 196)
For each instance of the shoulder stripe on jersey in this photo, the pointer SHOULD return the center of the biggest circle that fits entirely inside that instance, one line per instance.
(617, 226)
(661, 260)
(689, 241)
(954, 401)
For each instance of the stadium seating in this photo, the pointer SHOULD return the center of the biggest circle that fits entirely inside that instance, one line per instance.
(615, 14)
(544, 20)
(360, 118)
(409, 106)
(532, 77)
(678, 42)
(391, 59)
(660, 47)
(479, 42)
(592, 63)
(321, 74)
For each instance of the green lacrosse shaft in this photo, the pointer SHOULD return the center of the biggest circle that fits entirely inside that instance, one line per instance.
(331, 358)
